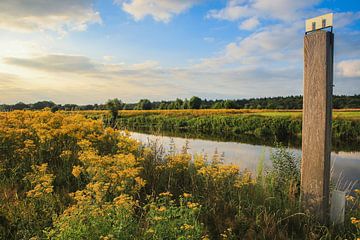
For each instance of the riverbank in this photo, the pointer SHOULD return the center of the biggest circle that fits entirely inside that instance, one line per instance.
(250, 126)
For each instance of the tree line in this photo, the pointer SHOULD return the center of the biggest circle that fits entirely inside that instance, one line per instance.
(289, 102)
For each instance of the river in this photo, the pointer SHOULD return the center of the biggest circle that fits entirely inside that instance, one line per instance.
(345, 165)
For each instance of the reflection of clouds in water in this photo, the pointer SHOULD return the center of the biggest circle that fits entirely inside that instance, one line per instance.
(246, 156)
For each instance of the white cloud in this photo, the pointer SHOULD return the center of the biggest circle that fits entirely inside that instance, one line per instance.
(344, 19)
(146, 65)
(79, 79)
(53, 63)
(250, 24)
(349, 68)
(286, 10)
(231, 12)
(39, 15)
(108, 58)
(275, 43)
(159, 10)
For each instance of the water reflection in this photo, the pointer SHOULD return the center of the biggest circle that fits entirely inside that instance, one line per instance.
(293, 142)
(345, 164)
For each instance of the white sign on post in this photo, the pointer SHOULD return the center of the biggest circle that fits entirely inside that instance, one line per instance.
(320, 22)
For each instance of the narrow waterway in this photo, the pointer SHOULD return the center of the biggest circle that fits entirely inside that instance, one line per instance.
(345, 165)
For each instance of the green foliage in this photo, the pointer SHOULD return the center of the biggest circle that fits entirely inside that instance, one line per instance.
(195, 102)
(144, 104)
(289, 102)
(168, 220)
(114, 105)
(94, 224)
(55, 108)
(286, 165)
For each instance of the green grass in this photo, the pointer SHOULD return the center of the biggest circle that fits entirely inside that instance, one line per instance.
(347, 114)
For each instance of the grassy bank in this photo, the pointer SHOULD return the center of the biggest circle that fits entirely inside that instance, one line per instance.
(246, 125)
(68, 177)
(344, 114)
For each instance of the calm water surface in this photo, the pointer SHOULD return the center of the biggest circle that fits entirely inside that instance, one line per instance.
(345, 165)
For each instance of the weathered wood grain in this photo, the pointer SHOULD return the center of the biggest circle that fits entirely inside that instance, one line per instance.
(316, 130)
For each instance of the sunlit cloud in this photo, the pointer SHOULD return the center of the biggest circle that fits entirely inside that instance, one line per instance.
(349, 68)
(54, 63)
(159, 10)
(39, 15)
(250, 24)
(286, 10)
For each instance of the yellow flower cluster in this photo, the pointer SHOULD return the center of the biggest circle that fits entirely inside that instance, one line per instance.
(193, 205)
(77, 171)
(355, 221)
(165, 194)
(178, 162)
(107, 158)
(187, 227)
(40, 180)
(244, 180)
(219, 171)
(187, 195)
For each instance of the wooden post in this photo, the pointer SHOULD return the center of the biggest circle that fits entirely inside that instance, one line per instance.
(316, 126)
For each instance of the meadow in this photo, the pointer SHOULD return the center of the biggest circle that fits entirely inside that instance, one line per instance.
(66, 176)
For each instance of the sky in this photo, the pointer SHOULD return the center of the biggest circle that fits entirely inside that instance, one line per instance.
(88, 51)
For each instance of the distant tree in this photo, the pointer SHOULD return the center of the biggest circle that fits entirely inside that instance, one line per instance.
(43, 104)
(195, 102)
(20, 106)
(70, 107)
(114, 105)
(128, 107)
(217, 105)
(144, 104)
(55, 108)
(229, 104)
(186, 104)
(163, 105)
(178, 104)
(87, 107)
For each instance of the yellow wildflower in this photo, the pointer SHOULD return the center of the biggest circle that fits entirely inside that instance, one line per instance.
(165, 194)
(187, 195)
(192, 205)
(77, 170)
(150, 230)
(162, 209)
(157, 218)
(354, 220)
(187, 227)
(349, 198)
